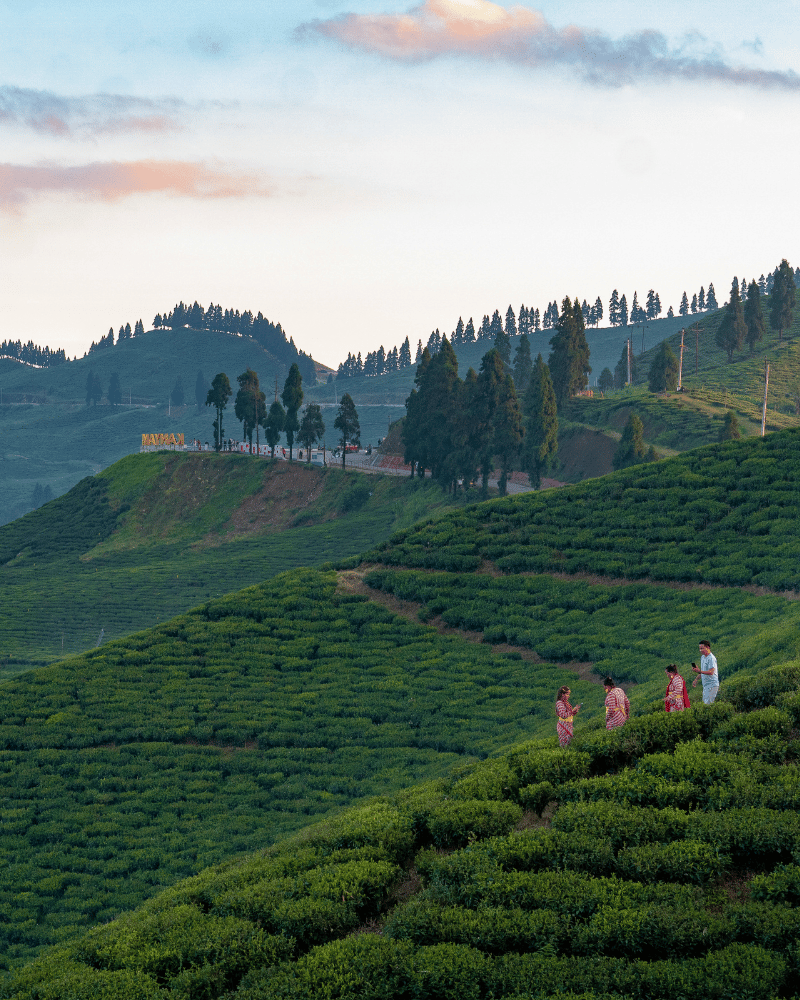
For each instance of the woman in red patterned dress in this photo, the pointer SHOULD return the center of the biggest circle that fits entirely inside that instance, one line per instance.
(618, 708)
(676, 697)
(565, 713)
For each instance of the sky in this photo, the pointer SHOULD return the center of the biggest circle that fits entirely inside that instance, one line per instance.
(366, 170)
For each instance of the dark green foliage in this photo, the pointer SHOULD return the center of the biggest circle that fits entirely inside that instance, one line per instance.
(115, 391)
(663, 370)
(731, 331)
(273, 425)
(292, 398)
(730, 428)
(631, 449)
(250, 405)
(523, 365)
(569, 360)
(753, 316)
(312, 428)
(346, 423)
(541, 424)
(218, 396)
(782, 298)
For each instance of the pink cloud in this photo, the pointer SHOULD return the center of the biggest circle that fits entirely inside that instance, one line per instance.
(484, 30)
(114, 181)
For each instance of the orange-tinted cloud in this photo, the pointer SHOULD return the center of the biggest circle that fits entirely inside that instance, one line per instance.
(485, 30)
(99, 114)
(114, 181)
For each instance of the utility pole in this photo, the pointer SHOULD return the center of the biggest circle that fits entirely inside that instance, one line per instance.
(680, 363)
(628, 342)
(766, 386)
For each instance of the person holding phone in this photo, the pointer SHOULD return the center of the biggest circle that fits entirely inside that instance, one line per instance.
(707, 672)
(566, 713)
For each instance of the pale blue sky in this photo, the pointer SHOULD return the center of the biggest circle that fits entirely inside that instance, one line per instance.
(369, 170)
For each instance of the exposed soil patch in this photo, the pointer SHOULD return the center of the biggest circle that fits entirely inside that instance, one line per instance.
(586, 454)
(285, 490)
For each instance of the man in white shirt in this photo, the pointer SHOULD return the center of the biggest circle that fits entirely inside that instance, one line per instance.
(707, 672)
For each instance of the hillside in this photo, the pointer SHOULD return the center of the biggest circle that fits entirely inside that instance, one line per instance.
(155, 534)
(435, 658)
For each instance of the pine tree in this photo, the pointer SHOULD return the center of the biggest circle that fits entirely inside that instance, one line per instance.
(419, 353)
(782, 298)
(312, 428)
(670, 313)
(635, 309)
(292, 398)
(684, 306)
(730, 428)
(511, 323)
(701, 299)
(347, 424)
(695, 305)
(631, 449)
(218, 396)
(663, 375)
(541, 424)
(200, 389)
(762, 285)
(523, 366)
(613, 309)
(524, 321)
(273, 425)
(569, 359)
(711, 298)
(138, 329)
(404, 360)
(114, 390)
(500, 339)
(469, 332)
(753, 317)
(537, 321)
(598, 311)
(623, 311)
(487, 396)
(507, 431)
(651, 304)
(732, 329)
(458, 334)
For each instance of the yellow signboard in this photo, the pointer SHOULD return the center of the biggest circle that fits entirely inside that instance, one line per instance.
(153, 440)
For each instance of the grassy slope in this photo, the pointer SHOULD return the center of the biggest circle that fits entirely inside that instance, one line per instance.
(323, 690)
(157, 534)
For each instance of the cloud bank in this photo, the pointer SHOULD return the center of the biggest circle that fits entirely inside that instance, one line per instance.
(101, 114)
(114, 181)
(484, 30)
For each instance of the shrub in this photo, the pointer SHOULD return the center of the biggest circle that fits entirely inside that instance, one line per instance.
(687, 860)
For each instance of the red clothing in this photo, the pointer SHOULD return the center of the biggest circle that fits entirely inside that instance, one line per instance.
(618, 708)
(677, 697)
(565, 713)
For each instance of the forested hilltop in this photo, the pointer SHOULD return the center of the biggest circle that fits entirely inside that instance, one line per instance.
(491, 862)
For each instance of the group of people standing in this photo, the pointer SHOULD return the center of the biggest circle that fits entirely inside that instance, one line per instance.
(618, 708)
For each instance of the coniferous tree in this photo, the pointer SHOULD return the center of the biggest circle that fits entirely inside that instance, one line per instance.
(782, 298)
(613, 308)
(218, 396)
(312, 428)
(606, 380)
(458, 335)
(598, 311)
(292, 398)
(523, 321)
(200, 389)
(753, 317)
(507, 430)
(762, 285)
(250, 405)
(684, 306)
(464, 432)
(631, 449)
(511, 323)
(419, 353)
(488, 389)
(537, 321)
(623, 311)
(670, 313)
(651, 304)
(701, 299)
(500, 338)
(405, 354)
(347, 424)
(569, 360)
(176, 396)
(138, 329)
(431, 412)
(694, 303)
(273, 425)
(635, 309)
(469, 332)
(523, 366)
(663, 376)
(730, 428)
(541, 424)
(711, 298)
(114, 390)
(414, 431)
(732, 329)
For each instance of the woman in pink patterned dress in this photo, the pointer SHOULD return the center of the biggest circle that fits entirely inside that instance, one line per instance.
(676, 698)
(618, 708)
(565, 713)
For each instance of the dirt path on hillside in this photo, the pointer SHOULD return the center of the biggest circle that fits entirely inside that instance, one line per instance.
(351, 581)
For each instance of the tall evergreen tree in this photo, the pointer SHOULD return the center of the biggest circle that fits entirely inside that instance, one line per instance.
(312, 428)
(663, 375)
(651, 304)
(623, 311)
(292, 397)
(598, 311)
(488, 389)
(347, 424)
(613, 309)
(701, 299)
(114, 390)
(694, 303)
(569, 360)
(273, 425)
(431, 412)
(684, 306)
(732, 329)
(218, 396)
(541, 424)
(730, 428)
(782, 298)
(631, 449)
(507, 431)
(711, 298)
(523, 366)
(500, 338)
(405, 354)
(606, 380)
(753, 316)
(511, 323)
(250, 405)
(469, 332)
(636, 309)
